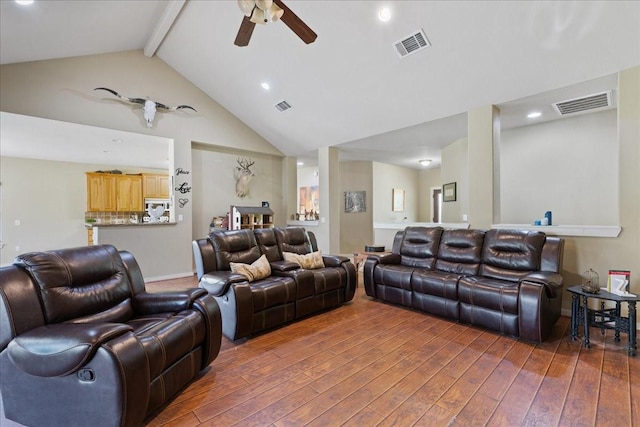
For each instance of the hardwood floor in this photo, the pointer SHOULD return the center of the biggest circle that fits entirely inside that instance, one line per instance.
(372, 364)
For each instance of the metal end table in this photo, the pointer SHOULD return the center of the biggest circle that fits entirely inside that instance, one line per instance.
(603, 318)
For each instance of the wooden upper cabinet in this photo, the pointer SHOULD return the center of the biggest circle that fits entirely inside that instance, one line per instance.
(101, 192)
(129, 193)
(114, 193)
(155, 186)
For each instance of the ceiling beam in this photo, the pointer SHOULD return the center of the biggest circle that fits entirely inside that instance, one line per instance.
(162, 27)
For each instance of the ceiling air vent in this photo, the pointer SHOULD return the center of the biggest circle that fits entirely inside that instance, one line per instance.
(583, 104)
(283, 106)
(412, 43)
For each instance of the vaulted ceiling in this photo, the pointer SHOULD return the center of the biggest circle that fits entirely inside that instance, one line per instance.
(350, 88)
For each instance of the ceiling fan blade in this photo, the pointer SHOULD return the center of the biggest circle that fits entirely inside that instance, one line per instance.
(244, 33)
(296, 24)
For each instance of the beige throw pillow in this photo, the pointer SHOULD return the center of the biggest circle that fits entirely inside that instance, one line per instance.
(259, 269)
(309, 261)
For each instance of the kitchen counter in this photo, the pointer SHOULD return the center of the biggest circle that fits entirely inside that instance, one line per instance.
(128, 224)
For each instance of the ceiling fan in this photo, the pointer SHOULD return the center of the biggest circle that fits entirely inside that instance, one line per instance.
(263, 11)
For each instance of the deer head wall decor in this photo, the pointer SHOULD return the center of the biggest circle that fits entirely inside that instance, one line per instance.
(243, 175)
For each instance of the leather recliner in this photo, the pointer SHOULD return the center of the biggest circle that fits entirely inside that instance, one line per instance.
(83, 344)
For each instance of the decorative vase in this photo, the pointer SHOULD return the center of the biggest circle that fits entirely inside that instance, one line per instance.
(590, 281)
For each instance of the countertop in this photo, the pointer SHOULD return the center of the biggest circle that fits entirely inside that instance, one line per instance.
(129, 224)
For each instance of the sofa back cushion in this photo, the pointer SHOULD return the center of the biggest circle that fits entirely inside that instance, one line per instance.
(80, 282)
(237, 246)
(293, 240)
(419, 246)
(266, 239)
(511, 254)
(460, 251)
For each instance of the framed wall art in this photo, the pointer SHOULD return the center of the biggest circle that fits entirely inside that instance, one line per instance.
(398, 200)
(355, 201)
(449, 192)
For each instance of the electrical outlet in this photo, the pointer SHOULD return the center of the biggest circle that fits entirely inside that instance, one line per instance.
(17, 248)
(16, 222)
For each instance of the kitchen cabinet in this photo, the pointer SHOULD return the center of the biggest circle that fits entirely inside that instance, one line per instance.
(114, 193)
(101, 192)
(129, 193)
(155, 186)
(250, 217)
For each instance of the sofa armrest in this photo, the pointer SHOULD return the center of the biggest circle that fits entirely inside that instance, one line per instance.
(163, 302)
(387, 258)
(62, 348)
(282, 266)
(334, 260)
(217, 283)
(551, 281)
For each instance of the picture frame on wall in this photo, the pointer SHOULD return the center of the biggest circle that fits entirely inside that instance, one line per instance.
(398, 200)
(449, 192)
(355, 201)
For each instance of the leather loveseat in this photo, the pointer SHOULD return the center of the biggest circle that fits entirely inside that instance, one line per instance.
(83, 344)
(505, 280)
(288, 293)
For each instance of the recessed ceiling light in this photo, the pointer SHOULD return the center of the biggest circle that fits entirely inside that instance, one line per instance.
(534, 114)
(265, 85)
(425, 162)
(384, 14)
(300, 163)
(24, 2)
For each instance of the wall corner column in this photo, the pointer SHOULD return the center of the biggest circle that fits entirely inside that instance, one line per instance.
(483, 133)
(328, 234)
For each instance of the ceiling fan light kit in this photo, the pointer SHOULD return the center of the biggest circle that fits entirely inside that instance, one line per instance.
(263, 11)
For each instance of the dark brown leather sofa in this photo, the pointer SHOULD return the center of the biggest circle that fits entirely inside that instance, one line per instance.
(505, 280)
(83, 344)
(289, 293)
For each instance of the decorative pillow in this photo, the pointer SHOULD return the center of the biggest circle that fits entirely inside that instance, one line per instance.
(259, 269)
(309, 261)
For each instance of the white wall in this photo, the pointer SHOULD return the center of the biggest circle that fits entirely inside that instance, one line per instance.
(569, 167)
(427, 178)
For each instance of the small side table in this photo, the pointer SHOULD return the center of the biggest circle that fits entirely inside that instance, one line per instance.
(603, 318)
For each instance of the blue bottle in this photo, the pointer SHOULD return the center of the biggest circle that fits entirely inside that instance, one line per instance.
(547, 215)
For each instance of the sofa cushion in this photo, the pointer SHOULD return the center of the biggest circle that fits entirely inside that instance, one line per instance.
(293, 240)
(511, 254)
(498, 295)
(78, 282)
(234, 246)
(460, 251)
(309, 261)
(420, 246)
(266, 239)
(257, 270)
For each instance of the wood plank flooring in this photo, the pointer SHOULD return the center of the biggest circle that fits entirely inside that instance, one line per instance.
(372, 364)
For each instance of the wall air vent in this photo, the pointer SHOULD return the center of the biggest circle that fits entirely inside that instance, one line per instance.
(283, 106)
(412, 43)
(588, 103)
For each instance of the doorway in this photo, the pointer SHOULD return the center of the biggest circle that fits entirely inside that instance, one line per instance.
(436, 204)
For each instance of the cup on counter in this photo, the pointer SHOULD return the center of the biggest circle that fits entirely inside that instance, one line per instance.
(544, 221)
(537, 222)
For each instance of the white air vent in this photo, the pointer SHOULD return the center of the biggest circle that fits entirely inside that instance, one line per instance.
(412, 44)
(586, 103)
(283, 106)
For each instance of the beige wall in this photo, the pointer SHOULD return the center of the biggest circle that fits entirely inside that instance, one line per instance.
(385, 179)
(214, 185)
(455, 169)
(357, 227)
(62, 89)
(427, 179)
